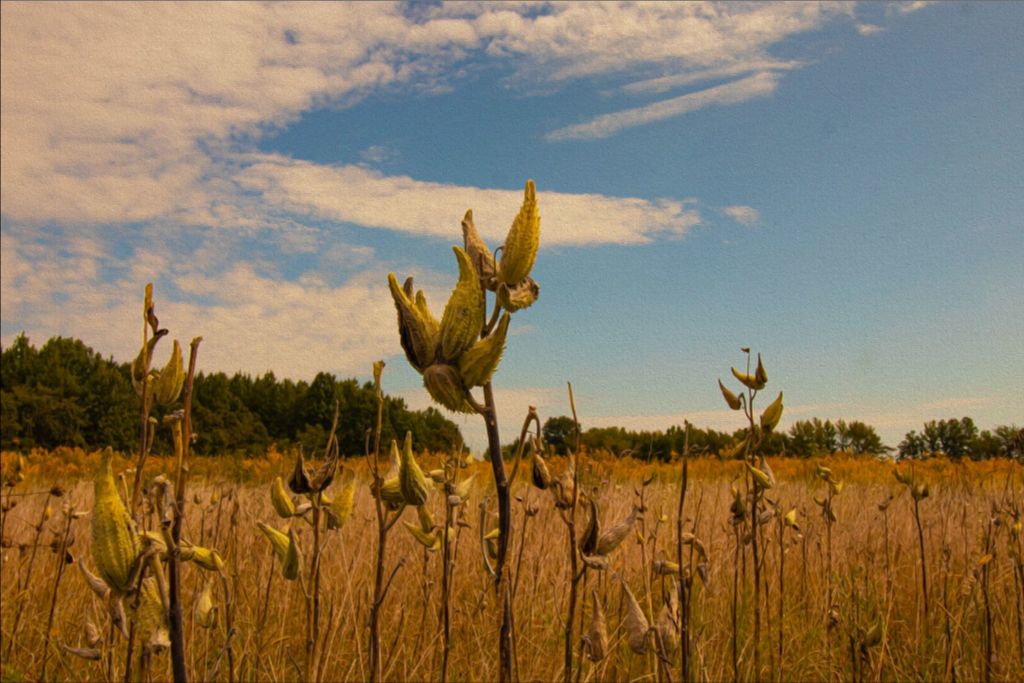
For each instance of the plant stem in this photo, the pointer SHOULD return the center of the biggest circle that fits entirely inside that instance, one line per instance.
(490, 416)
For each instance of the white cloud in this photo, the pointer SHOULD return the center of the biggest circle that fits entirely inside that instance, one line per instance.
(662, 84)
(251, 319)
(745, 215)
(357, 195)
(757, 85)
(868, 29)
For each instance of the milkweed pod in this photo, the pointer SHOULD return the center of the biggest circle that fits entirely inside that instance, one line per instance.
(823, 472)
(293, 558)
(595, 562)
(299, 481)
(344, 502)
(431, 323)
(410, 477)
(115, 545)
(665, 568)
(278, 540)
(87, 653)
(437, 476)
(426, 521)
(477, 365)
(919, 491)
(463, 316)
(478, 251)
(762, 479)
(522, 240)
(155, 540)
(168, 384)
(830, 513)
(150, 617)
(588, 541)
(790, 519)
(417, 338)
(518, 296)
(96, 584)
(429, 540)
(836, 487)
(207, 559)
(614, 536)
(665, 625)
(463, 488)
(92, 634)
(772, 414)
(596, 639)
(636, 624)
(748, 381)
(737, 449)
(730, 398)
(539, 471)
(391, 493)
(205, 610)
(284, 506)
(444, 384)
(904, 479)
(491, 544)
(141, 375)
(760, 376)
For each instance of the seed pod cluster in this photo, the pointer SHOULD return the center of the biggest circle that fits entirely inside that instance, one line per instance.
(448, 354)
(115, 545)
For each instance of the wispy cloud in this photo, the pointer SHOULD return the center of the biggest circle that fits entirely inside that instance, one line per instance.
(745, 215)
(357, 195)
(757, 85)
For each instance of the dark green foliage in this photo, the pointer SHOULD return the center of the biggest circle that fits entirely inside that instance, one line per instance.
(66, 394)
(958, 438)
(560, 433)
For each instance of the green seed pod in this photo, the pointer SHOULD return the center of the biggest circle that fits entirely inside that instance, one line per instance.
(588, 541)
(205, 558)
(463, 488)
(150, 617)
(340, 510)
(426, 521)
(444, 384)
(391, 493)
(292, 562)
(874, 635)
(760, 376)
(410, 477)
(115, 546)
(278, 540)
(520, 295)
(205, 610)
(429, 540)
(418, 340)
(762, 478)
(479, 254)
(522, 240)
(463, 316)
(772, 414)
(139, 371)
(283, 504)
(730, 398)
(611, 538)
(168, 384)
(299, 481)
(541, 476)
(749, 381)
(478, 364)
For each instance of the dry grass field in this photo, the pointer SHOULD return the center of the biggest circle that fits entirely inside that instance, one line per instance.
(877, 627)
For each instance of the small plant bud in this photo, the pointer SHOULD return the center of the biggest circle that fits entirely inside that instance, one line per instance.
(168, 384)
(772, 414)
(518, 296)
(479, 253)
(418, 339)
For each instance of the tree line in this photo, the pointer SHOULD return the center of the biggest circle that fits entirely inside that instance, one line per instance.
(66, 394)
(951, 438)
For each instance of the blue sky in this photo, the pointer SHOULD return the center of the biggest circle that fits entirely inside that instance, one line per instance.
(837, 186)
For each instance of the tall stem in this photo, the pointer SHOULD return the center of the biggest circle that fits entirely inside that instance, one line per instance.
(490, 416)
(177, 631)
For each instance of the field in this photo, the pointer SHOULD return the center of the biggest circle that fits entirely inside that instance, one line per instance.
(877, 625)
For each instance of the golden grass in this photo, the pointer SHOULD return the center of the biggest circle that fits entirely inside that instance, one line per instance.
(268, 645)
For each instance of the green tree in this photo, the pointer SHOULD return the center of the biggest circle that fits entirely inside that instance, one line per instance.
(560, 433)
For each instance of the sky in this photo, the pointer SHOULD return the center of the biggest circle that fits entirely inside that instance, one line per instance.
(838, 186)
